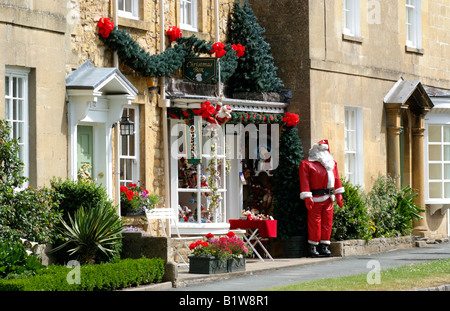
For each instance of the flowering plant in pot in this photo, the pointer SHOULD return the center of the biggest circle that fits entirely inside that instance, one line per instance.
(216, 255)
(134, 199)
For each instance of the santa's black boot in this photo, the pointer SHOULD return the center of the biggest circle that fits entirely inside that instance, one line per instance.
(324, 251)
(312, 251)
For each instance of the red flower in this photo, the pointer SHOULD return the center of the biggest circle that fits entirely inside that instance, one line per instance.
(204, 243)
(210, 236)
(131, 185)
(231, 234)
(219, 49)
(185, 113)
(240, 49)
(105, 26)
(291, 119)
(123, 189)
(174, 33)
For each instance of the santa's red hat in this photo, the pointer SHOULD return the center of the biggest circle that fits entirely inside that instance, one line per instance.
(325, 142)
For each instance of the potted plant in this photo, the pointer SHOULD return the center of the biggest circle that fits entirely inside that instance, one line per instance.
(135, 200)
(218, 255)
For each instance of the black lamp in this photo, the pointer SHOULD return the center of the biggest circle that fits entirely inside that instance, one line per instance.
(126, 127)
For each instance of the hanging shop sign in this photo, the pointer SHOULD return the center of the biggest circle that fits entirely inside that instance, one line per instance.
(193, 143)
(200, 69)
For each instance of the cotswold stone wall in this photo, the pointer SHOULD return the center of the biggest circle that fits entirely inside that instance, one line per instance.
(85, 45)
(362, 247)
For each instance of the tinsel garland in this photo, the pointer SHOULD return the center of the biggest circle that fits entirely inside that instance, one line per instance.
(167, 62)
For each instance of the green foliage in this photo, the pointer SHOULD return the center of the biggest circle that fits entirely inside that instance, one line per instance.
(28, 213)
(92, 230)
(392, 210)
(31, 214)
(11, 167)
(15, 262)
(74, 194)
(352, 221)
(386, 211)
(108, 276)
(171, 59)
(256, 71)
(289, 210)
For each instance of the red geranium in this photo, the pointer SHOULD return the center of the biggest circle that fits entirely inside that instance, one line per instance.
(174, 33)
(105, 26)
(291, 119)
(123, 189)
(240, 49)
(219, 49)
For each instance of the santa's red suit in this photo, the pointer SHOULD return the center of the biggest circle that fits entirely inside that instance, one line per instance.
(320, 185)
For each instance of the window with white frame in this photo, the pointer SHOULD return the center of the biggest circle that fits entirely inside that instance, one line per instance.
(191, 178)
(438, 166)
(16, 114)
(353, 146)
(352, 24)
(129, 8)
(129, 157)
(189, 15)
(413, 23)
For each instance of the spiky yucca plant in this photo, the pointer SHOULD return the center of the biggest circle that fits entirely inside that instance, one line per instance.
(92, 230)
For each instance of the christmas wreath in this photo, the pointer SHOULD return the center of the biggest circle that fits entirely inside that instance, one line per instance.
(173, 57)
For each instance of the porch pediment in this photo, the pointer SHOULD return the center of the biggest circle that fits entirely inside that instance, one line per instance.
(99, 81)
(408, 94)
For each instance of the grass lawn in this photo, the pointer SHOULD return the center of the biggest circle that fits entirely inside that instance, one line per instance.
(417, 276)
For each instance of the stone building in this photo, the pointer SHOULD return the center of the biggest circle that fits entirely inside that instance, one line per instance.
(372, 77)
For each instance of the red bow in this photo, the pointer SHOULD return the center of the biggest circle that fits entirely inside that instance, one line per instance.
(291, 119)
(219, 49)
(240, 49)
(174, 33)
(105, 26)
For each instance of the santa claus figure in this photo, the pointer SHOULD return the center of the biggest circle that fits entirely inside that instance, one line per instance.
(320, 186)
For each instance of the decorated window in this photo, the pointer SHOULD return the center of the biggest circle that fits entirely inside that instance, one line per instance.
(413, 24)
(16, 114)
(352, 18)
(438, 166)
(188, 14)
(129, 157)
(129, 8)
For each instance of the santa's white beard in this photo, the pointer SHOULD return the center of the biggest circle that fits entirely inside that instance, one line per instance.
(320, 153)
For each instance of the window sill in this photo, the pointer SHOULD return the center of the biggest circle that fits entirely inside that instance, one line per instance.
(410, 49)
(134, 23)
(351, 38)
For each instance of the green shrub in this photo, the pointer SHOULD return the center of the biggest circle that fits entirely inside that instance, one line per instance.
(74, 194)
(108, 276)
(24, 213)
(352, 221)
(92, 230)
(15, 262)
(392, 210)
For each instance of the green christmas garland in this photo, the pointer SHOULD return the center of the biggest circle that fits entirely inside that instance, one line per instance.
(236, 117)
(167, 62)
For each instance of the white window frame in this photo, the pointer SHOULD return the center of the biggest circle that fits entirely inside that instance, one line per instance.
(189, 7)
(353, 140)
(197, 193)
(12, 73)
(442, 180)
(413, 18)
(134, 158)
(352, 18)
(133, 13)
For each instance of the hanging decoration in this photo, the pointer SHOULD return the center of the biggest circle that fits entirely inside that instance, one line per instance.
(174, 33)
(172, 59)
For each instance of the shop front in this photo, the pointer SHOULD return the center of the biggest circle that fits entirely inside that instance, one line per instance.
(222, 154)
